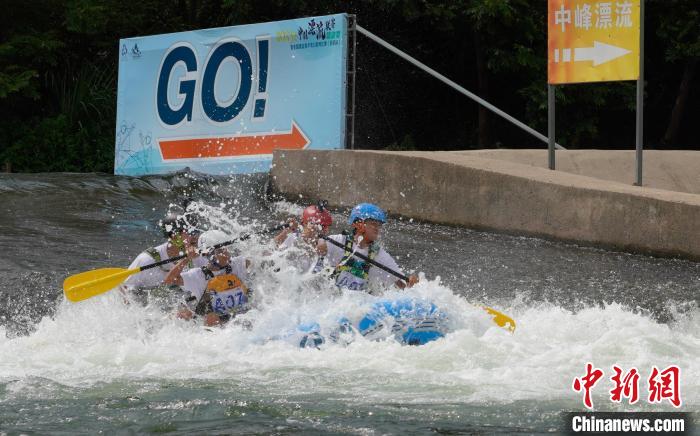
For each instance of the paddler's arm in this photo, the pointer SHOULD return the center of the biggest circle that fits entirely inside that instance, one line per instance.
(174, 277)
(195, 297)
(322, 248)
(189, 307)
(282, 235)
(389, 262)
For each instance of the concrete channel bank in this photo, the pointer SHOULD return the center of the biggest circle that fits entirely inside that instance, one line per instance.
(465, 189)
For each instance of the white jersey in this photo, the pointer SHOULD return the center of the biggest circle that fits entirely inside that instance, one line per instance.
(290, 240)
(346, 279)
(155, 276)
(228, 289)
(302, 259)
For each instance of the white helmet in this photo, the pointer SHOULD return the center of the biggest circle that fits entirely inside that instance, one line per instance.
(210, 238)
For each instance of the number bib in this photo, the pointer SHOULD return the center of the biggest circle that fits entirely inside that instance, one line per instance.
(350, 281)
(228, 293)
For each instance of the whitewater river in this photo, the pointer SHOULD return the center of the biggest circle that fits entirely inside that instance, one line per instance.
(102, 365)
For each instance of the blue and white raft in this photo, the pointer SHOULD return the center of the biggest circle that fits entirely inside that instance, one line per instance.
(408, 321)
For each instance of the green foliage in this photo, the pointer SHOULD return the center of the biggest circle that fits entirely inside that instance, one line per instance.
(16, 79)
(54, 144)
(58, 68)
(407, 144)
(21, 59)
(679, 29)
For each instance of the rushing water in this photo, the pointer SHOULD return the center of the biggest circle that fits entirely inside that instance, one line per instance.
(103, 365)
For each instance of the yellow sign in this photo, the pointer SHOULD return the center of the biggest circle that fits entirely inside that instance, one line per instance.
(593, 41)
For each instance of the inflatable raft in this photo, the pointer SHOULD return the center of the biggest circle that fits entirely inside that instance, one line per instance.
(408, 321)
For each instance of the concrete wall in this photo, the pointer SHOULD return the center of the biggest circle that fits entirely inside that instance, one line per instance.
(673, 170)
(475, 192)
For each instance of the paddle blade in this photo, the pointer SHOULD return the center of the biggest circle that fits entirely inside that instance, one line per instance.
(501, 319)
(85, 285)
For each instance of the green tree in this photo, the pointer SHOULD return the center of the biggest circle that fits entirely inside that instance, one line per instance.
(679, 31)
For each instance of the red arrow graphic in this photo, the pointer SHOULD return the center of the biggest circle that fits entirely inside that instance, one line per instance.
(229, 146)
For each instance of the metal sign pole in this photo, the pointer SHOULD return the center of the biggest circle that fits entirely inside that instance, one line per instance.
(351, 78)
(640, 97)
(576, 49)
(551, 131)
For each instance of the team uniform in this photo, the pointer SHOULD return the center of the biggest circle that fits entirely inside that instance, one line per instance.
(155, 276)
(354, 273)
(301, 258)
(223, 291)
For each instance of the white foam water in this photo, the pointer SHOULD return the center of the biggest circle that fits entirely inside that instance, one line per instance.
(102, 340)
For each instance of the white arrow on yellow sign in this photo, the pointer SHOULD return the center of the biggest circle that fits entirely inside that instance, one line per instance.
(600, 53)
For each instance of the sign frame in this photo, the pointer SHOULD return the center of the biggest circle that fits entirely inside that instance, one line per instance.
(562, 68)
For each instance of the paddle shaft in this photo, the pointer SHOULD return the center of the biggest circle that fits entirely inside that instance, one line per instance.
(499, 318)
(367, 259)
(219, 245)
(85, 285)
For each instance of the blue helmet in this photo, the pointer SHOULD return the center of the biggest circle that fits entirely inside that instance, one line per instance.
(365, 211)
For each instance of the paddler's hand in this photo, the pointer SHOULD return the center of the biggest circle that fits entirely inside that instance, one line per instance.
(321, 248)
(289, 228)
(211, 319)
(190, 250)
(185, 313)
(174, 277)
(412, 280)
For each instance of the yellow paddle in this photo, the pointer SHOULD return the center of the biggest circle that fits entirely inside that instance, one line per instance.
(499, 318)
(88, 284)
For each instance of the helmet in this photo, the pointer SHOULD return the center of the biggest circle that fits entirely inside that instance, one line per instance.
(314, 215)
(210, 238)
(190, 221)
(173, 224)
(364, 211)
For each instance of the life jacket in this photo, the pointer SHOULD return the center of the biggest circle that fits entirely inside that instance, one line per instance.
(318, 266)
(155, 254)
(353, 266)
(226, 294)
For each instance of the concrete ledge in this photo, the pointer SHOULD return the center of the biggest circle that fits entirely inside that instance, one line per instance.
(672, 170)
(461, 189)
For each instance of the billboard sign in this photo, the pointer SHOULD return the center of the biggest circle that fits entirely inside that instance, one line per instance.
(220, 100)
(593, 41)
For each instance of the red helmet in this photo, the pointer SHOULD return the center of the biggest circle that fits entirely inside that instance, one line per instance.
(314, 215)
